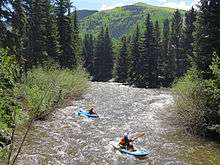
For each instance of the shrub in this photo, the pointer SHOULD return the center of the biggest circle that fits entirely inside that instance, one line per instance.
(9, 72)
(43, 87)
(190, 102)
(197, 101)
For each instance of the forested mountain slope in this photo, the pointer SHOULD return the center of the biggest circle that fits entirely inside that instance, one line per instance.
(122, 20)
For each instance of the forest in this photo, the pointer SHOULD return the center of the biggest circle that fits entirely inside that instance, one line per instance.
(183, 55)
(46, 57)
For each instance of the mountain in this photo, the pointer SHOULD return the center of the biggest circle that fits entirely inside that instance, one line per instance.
(123, 20)
(82, 14)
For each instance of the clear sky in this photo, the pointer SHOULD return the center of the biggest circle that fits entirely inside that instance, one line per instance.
(109, 4)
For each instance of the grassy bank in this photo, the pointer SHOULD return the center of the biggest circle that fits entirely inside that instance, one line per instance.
(198, 102)
(34, 95)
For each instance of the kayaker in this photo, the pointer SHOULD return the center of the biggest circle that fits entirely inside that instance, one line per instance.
(91, 111)
(126, 143)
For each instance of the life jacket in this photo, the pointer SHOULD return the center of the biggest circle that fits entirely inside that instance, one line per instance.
(124, 141)
(92, 112)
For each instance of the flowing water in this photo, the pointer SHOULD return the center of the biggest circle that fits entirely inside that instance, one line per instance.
(69, 139)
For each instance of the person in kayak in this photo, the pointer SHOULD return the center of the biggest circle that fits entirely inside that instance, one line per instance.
(126, 143)
(91, 111)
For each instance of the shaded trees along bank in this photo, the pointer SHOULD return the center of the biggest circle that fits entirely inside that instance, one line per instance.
(122, 63)
(149, 57)
(134, 64)
(66, 33)
(88, 53)
(103, 59)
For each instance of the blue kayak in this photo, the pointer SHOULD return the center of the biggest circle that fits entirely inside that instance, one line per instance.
(138, 153)
(135, 153)
(87, 114)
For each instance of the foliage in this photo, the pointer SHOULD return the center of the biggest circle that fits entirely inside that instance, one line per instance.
(66, 26)
(122, 63)
(197, 101)
(9, 71)
(190, 104)
(103, 58)
(88, 53)
(134, 60)
(206, 36)
(52, 85)
(149, 57)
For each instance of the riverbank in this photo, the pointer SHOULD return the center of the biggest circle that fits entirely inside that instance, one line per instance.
(39, 92)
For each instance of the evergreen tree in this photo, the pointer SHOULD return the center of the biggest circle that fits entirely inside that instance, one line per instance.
(168, 61)
(37, 43)
(52, 38)
(103, 60)
(76, 37)
(189, 28)
(98, 57)
(157, 33)
(64, 21)
(108, 59)
(207, 36)
(122, 64)
(176, 49)
(4, 15)
(19, 22)
(134, 66)
(149, 57)
(87, 53)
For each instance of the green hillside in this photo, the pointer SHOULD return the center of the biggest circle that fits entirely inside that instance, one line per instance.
(82, 14)
(122, 20)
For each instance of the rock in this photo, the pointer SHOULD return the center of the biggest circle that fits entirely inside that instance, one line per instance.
(4, 139)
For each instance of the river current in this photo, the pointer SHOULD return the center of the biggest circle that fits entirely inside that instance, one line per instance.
(67, 139)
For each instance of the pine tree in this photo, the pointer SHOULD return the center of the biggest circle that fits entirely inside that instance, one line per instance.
(19, 22)
(176, 49)
(64, 21)
(87, 53)
(76, 37)
(36, 51)
(189, 28)
(167, 69)
(52, 37)
(159, 59)
(122, 64)
(149, 58)
(6, 37)
(108, 59)
(134, 66)
(103, 59)
(98, 57)
(207, 36)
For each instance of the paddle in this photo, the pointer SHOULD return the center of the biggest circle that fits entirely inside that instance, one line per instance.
(138, 136)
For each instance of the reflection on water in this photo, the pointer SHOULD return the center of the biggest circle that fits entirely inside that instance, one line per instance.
(69, 139)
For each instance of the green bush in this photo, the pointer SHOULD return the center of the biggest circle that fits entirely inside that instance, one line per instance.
(190, 102)
(43, 87)
(197, 101)
(9, 72)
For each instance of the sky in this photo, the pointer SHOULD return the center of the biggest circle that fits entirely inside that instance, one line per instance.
(110, 4)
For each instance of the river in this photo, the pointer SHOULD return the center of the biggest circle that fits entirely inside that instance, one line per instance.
(66, 138)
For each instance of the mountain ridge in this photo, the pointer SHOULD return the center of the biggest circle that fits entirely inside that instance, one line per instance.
(123, 20)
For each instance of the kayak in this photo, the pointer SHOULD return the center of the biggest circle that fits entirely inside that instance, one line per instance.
(140, 153)
(137, 153)
(87, 114)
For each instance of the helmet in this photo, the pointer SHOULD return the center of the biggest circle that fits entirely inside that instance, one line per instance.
(126, 134)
